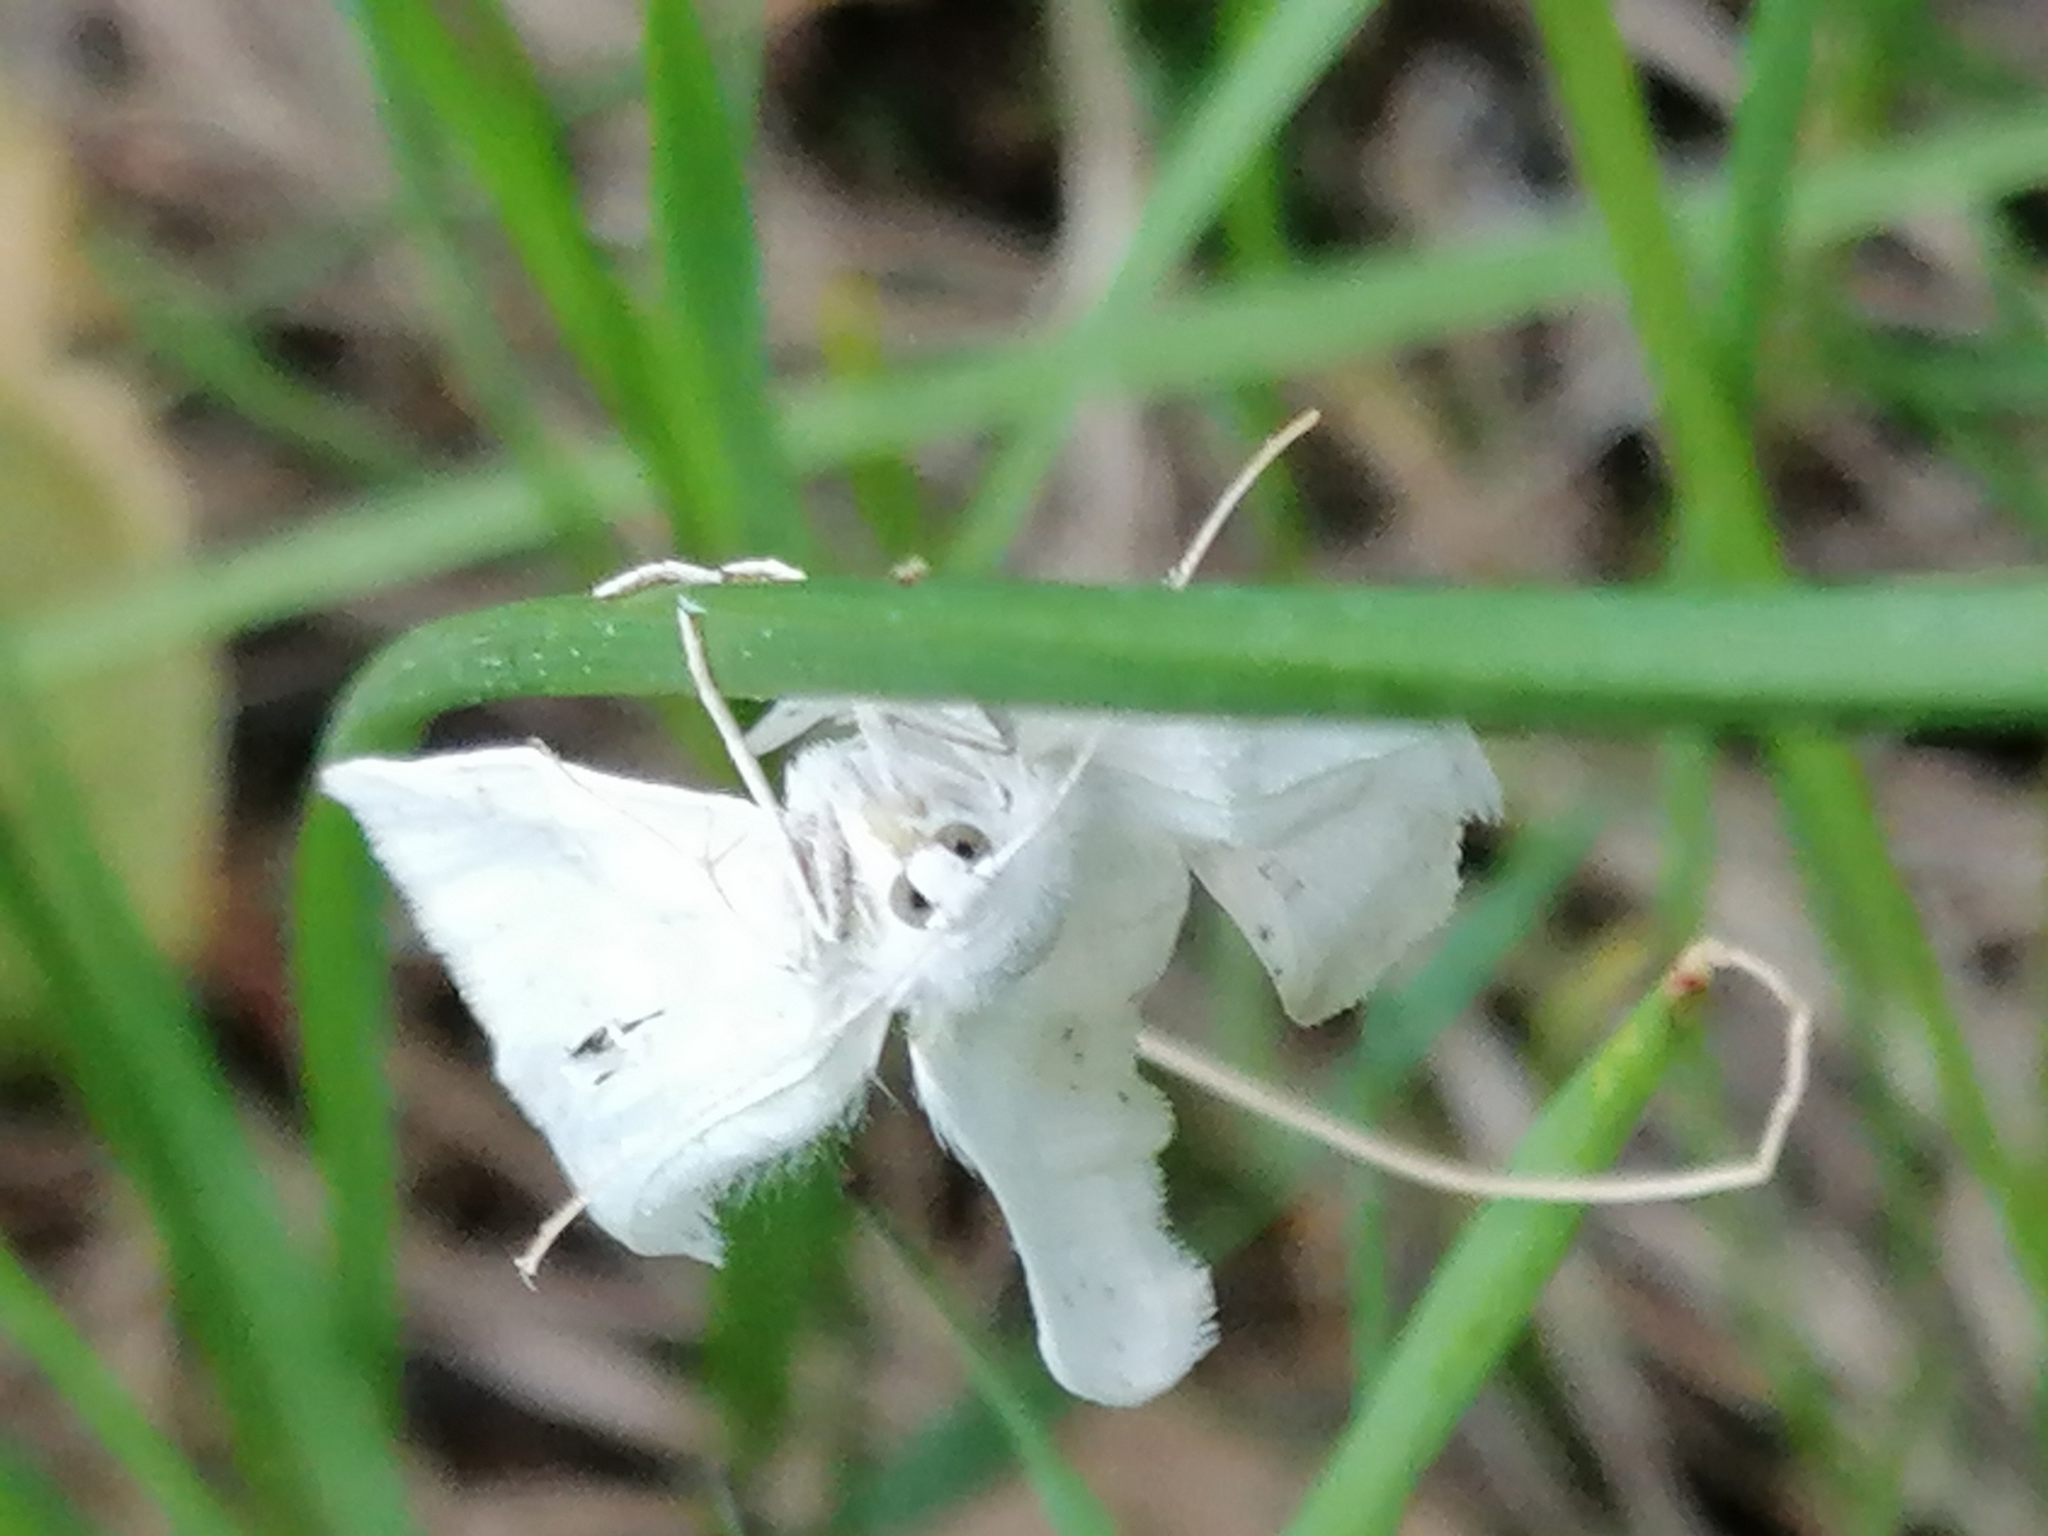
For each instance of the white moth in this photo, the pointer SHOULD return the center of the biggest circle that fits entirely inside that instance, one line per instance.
(664, 1008)
(681, 988)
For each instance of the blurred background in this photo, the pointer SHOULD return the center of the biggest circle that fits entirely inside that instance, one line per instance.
(219, 331)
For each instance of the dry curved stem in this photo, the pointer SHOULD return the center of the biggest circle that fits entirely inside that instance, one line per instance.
(1691, 974)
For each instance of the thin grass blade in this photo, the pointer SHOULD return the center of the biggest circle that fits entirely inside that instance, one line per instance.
(1012, 1393)
(1899, 656)
(709, 330)
(1725, 536)
(1254, 91)
(1484, 1291)
(464, 62)
(308, 1435)
(43, 1334)
(783, 1278)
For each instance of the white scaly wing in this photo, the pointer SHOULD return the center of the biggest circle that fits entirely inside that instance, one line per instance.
(636, 955)
(1333, 846)
(1038, 1092)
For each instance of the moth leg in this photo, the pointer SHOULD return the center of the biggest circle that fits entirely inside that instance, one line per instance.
(761, 568)
(873, 723)
(656, 573)
(687, 573)
(744, 761)
(559, 1220)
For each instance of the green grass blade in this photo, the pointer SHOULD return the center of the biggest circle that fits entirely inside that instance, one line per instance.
(1487, 1286)
(219, 357)
(1254, 91)
(1883, 656)
(485, 362)
(45, 1336)
(342, 987)
(710, 329)
(1869, 916)
(341, 983)
(1763, 147)
(738, 36)
(464, 62)
(307, 1433)
(1402, 1022)
(1705, 438)
(1320, 314)
(1253, 224)
(1013, 1394)
(1686, 764)
(1981, 376)
(1254, 216)
(1725, 536)
(445, 524)
(32, 1504)
(885, 486)
(784, 1273)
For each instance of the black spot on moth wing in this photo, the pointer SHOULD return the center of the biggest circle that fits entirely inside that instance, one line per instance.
(605, 1039)
(598, 1042)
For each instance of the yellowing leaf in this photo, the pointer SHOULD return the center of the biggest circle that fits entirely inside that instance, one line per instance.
(90, 497)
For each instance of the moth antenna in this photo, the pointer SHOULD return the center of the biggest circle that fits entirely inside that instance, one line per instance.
(1693, 972)
(1234, 493)
(656, 573)
(996, 728)
(1000, 859)
(1182, 573)
(529, 1259)
(873, 724)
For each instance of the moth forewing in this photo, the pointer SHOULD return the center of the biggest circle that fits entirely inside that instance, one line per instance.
(636, 959)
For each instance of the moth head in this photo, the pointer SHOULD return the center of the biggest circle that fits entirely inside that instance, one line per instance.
(942, 871)
(956, 868)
